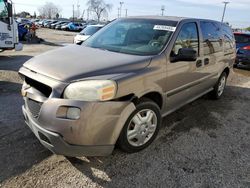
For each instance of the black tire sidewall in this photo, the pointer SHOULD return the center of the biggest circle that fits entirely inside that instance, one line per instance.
(123, 141)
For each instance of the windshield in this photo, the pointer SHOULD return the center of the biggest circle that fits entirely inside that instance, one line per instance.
(134, 36)
(90, 30)
(3, 10)
(241, 38)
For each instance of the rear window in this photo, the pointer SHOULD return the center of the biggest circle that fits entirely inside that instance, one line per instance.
(241, 38)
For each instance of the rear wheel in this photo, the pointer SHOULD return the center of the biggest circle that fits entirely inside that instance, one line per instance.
(219, 87)
(141, 128)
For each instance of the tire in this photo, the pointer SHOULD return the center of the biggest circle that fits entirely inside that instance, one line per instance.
(219, 87)
(143, 132)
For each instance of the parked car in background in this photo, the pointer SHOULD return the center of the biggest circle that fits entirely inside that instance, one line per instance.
(86, 33)
(243, 50)
(59, 26)
(53, 26)
(41, 22)
(48, 24)
(115, 88)
(73, 27)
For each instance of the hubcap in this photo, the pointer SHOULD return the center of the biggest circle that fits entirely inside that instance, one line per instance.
(222, 84)
(142, 127)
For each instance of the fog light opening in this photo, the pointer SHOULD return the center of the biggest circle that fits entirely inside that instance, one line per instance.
(73, 113)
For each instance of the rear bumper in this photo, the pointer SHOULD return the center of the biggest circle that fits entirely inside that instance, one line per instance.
(242, 61)
(55, 142)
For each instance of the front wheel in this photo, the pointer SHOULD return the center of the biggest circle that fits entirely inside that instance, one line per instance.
(219, 87)
(141, 128)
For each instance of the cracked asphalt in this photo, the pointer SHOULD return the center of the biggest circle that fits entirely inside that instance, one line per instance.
(204, 144)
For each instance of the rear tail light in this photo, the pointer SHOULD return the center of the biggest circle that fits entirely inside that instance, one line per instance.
(246, 48)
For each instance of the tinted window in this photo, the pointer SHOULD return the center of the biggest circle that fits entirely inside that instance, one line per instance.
(228, 37)
(187, 38)
(134, 36)
(212, 37)
(3, 10)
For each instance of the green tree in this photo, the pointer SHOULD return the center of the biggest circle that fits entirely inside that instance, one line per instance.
(248, 29)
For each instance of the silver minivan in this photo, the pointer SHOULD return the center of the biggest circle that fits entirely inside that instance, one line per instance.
(114, 89)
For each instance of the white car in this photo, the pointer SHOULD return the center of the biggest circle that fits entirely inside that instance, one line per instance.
(86, 33)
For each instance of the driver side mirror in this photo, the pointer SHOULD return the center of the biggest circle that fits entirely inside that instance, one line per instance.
(184, 54)
(10, 10)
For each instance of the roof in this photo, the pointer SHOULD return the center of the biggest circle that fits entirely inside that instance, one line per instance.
(172, 18)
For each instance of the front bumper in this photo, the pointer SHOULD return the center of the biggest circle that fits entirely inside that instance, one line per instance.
(55, 142)
(93, 134)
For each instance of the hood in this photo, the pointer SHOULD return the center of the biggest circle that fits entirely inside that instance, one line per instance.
(77, 62)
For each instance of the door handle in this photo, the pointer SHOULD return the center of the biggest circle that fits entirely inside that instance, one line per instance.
(198, 63)
(206, 61)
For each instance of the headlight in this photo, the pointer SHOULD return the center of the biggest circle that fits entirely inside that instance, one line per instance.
(92, 90)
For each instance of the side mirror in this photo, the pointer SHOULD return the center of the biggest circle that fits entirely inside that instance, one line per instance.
(10, 10)
(185, 54)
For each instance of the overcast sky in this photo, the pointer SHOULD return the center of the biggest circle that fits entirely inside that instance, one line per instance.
(238, 11)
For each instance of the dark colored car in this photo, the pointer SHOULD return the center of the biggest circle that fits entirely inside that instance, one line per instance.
(243, 50)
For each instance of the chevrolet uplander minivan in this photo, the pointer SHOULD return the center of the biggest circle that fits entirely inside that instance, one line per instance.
(115, 88)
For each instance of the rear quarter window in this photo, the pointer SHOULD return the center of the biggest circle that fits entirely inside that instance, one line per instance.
(229, 39)
(212, 37)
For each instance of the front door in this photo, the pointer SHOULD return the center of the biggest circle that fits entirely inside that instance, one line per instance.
(183, 75)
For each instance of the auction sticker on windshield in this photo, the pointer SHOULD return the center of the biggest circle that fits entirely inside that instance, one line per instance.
(164, 28)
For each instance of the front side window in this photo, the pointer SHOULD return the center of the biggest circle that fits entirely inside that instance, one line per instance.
(3, 10)
(187, 39)
(134, 36)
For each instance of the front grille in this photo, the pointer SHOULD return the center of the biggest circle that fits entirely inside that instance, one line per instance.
(34, 107)
(44, 89)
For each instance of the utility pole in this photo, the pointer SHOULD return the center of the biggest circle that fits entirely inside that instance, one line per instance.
(162, 10)
(78, 9)
(118, 13)
(126, 13)
(73, 13)
(121, 3)
(88, 14)
(225, 7)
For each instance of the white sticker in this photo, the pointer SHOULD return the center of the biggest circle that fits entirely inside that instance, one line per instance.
(164, 28)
